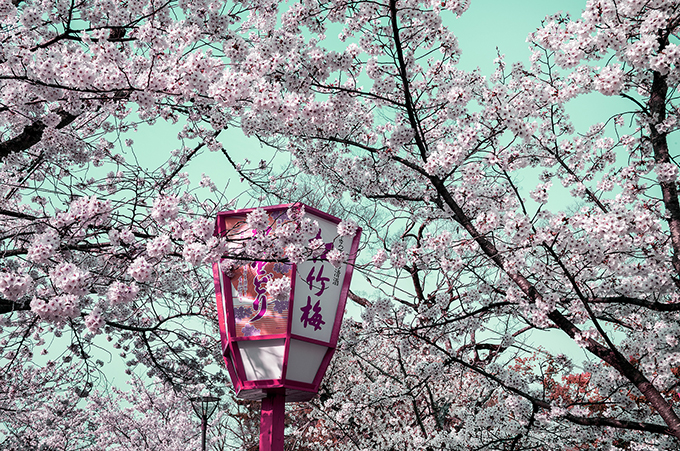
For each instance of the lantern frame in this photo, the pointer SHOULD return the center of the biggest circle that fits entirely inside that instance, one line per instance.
(303, 349)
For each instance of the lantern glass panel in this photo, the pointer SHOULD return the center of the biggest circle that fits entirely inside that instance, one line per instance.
(318, 287)
(304, 360)
(256, 313)
(262, 359)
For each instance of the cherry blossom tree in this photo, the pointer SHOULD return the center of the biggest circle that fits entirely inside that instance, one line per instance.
(38, 407)
(105, 262)
(490, 217)
(587, 251)
(95, 246)
(50, 407)
(92, 241)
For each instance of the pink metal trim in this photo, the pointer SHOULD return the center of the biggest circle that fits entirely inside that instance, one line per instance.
(229, 307)
(220, 309)
(249, 385)
(245, 211)
(233, 371)
(311, 340)
(321, 214)
(278, 383)
(273, 208)
(322, 368)
(286, 351)
(268, 383)
(345, 289)
(260, 337)
(302, 386)
(291, 306)
(284, 367)
(238, 362)
(230, 367)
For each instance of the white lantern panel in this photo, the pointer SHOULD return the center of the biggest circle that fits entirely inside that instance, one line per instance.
(262, 359)
(304, 360)
(317, 289)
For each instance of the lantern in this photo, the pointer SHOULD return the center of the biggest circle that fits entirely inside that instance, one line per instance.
(278, 349)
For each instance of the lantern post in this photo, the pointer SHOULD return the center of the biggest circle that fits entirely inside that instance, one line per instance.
(277, 349)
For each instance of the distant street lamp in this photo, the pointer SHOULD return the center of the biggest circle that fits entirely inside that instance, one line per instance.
(277, 351)
(204, 406)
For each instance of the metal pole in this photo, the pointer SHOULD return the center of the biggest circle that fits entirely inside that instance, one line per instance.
(204, 426)
(271, 422)
(204, 406)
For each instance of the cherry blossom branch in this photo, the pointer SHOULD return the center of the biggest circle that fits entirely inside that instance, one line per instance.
(356, 92)
(657, 306)
(657, 113)
(8, 306)
(615, 359)
(150, 329)
(585, 421)
(184, 162)
(31, 135)
(584, 299)
(487, 308)
(358, 299)
(554, 151)
(17, 214)
(403, 73)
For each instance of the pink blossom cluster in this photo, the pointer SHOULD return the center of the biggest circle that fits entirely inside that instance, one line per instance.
(398, 256)
(14, 286)
(336, 257)
(200, 246)
(379, 258)
(194, 252)
(165, 208)
(541, 193)
(444, 158)
(83, 212)
(609, 81)
(292, 238)
(119, 293)
(666, 172)
(203, 228)
(159, 247)
(94, 321)
(56, 308)
(347, 227)
(141, 270)
(69, 278)
(43, 247)
(279, 288)
(258, 219)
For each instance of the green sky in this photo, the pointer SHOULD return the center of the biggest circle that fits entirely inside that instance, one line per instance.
(486, 25)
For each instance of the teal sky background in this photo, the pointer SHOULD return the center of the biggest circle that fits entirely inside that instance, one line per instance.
(486, 25)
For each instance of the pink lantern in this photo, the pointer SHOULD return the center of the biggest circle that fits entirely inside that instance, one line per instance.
(278, 349)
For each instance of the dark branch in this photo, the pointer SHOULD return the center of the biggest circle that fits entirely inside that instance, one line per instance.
(31, 135)
(7, 306)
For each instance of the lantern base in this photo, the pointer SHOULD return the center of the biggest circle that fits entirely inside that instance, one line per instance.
(291, 395)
